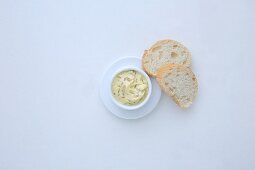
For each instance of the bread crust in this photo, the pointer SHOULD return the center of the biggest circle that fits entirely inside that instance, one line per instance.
(144, 58)
(158, 44)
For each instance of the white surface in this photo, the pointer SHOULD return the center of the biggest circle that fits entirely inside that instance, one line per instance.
(107, 98)
(52, 54)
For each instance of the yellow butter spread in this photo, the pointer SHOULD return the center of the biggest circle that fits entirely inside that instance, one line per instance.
(129, 87)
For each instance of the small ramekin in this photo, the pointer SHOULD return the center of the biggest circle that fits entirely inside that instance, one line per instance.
(126, 107)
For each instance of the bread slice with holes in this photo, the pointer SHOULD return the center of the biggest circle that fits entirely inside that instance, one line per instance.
(165, 52)
(179, 82)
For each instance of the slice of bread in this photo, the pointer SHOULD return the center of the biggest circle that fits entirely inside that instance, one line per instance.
(165, 52)
(179, 82)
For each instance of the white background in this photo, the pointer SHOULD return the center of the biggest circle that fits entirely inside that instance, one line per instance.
(53, 52)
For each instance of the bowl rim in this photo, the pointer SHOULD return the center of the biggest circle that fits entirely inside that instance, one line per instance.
(123, 106)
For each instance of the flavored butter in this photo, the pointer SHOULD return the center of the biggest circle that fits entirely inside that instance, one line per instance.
(130, 87)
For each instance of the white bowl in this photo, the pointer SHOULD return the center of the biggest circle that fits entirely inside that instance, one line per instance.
(149, 89)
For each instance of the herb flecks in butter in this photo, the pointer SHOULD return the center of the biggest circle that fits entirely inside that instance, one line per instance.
(129, 87)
